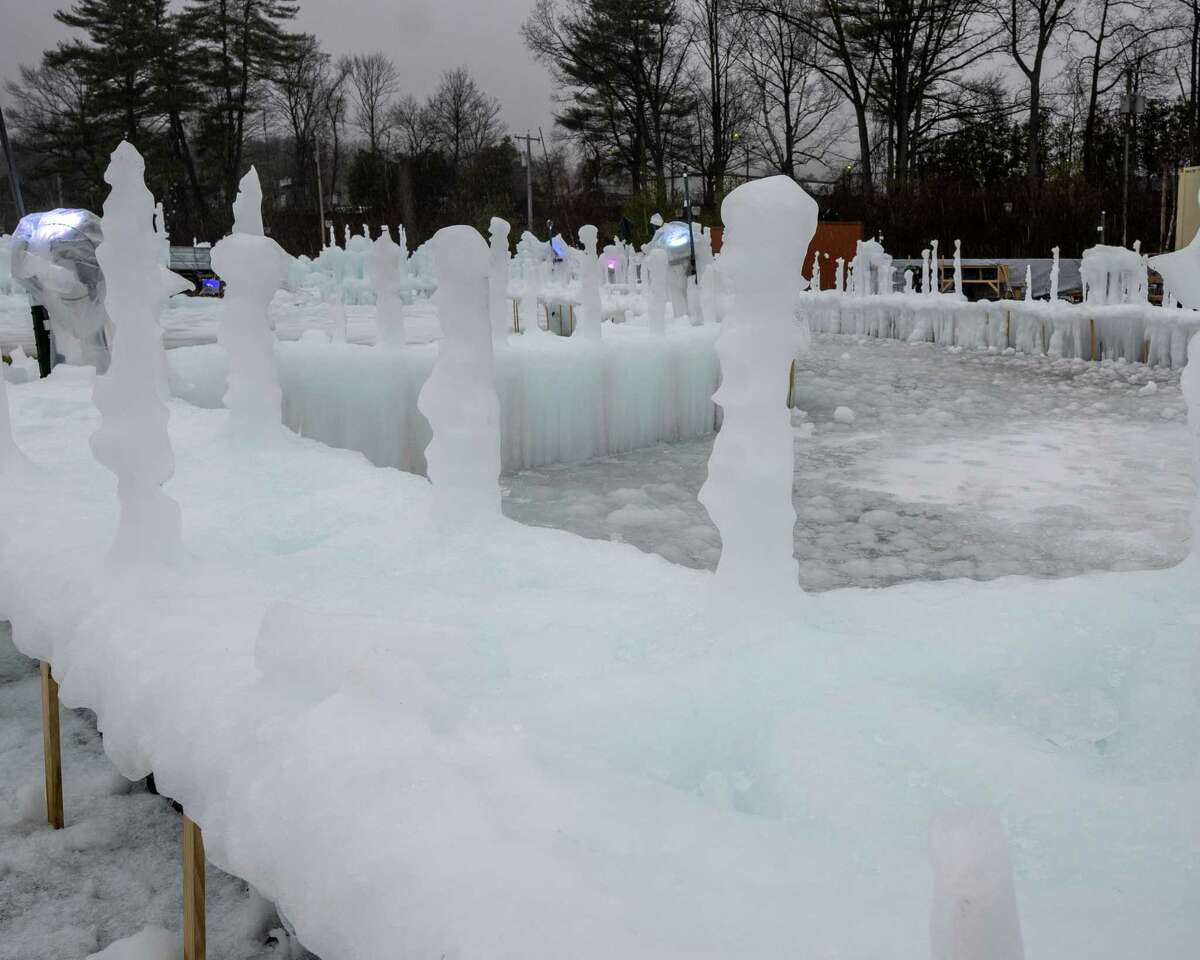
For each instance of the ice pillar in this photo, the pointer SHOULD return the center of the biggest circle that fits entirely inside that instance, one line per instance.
(748, 493)
(459, 398)
(1054, 276)
(589, 323)
(389, 312)
(498, 302)
(253, 268)
(132, 440)
(656, 291)
(958, 274)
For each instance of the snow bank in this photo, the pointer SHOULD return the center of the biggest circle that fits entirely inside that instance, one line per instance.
(530, 746)
(562, 399)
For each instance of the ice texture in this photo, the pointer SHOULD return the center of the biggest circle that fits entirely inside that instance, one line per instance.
(253, 267)
(132, 440)
(499, 308)
(769, 224)
(974, 915)
(656, 290)
(459, 398)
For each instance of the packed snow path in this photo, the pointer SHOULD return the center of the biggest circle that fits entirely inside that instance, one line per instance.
(955, 464)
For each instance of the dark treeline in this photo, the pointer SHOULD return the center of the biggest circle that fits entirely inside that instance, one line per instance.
(996, 121)
(206, 88)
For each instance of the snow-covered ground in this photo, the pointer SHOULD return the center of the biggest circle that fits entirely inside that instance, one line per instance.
(521, 741)
(116, 868)
(955, 464)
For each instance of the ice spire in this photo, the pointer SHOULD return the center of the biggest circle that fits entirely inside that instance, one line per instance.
(459, 398)
(815, 281)
(132, 440)
(253, 268)
(958, 274)
(934, 269)
(925, 271)
(839, 274)
(1028, 283)
(1054, 276)
(332, 237)
(247, 208)
(769, 224)
(589, 323)
(499, 308)
(389, 313)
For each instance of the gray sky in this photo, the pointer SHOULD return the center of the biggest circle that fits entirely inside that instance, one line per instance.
(422, 37)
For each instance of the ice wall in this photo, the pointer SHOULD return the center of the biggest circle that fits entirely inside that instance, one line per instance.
(132, 440)
(459, 398)
(253, 267)
(974, 915)
(769, 224)
(656, 290)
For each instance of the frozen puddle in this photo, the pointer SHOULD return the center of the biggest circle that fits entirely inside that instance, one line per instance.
(954, 465)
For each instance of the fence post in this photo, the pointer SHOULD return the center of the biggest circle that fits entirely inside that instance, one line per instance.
(193, 891)
(51, 749)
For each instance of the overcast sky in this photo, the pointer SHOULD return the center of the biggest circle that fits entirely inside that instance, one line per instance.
(423, 38)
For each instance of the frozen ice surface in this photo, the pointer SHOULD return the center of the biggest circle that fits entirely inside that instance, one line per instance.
(991, 465)
(974, 915)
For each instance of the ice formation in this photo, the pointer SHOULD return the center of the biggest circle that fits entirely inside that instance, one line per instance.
(132, 440)
(589, 282)
(253, 267)
(498, 269)
(656, 290)
(389, 318)
(769, 224)
(10, 454)
(974, 915)
(958, 274)
(1112, 275)
(459, 398)
(1054, 276)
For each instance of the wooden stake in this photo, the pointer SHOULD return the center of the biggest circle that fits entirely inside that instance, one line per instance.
(52, 749)
(193, 891)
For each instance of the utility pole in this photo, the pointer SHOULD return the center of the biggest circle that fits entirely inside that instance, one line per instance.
(41, 338)
(528, 138)
(1132, 105)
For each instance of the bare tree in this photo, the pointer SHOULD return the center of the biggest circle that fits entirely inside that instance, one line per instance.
(794, 106)
(373, 78)
(722, 92)
(1030, 26)
(299, 92)
(464, 119)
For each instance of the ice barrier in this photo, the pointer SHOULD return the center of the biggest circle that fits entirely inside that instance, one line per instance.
(560, 402)
(1137, 332)
(769, 224)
